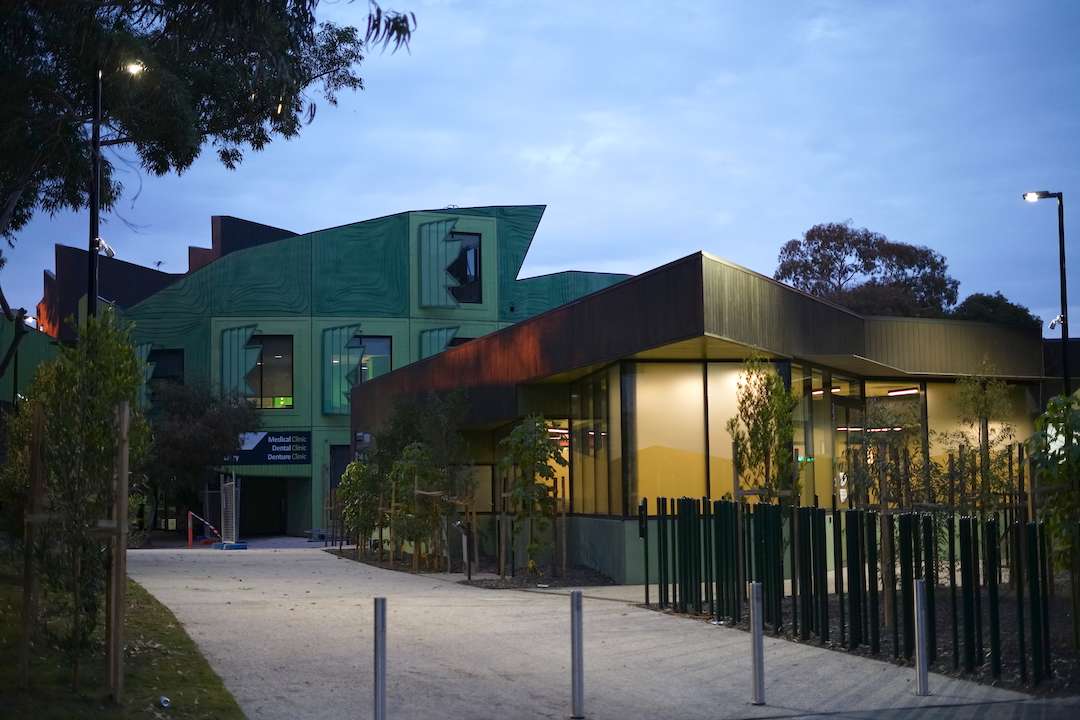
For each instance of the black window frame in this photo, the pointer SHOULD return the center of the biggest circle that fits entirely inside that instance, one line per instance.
(257, 399)
(468, 291)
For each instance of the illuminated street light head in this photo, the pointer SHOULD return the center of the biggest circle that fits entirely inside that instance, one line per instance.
(1036, 196)
(134, 68)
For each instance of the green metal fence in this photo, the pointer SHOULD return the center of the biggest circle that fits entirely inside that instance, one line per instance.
(708, 552)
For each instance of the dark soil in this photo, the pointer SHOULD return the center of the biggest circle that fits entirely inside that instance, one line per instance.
(1065, 661)
(574, 577)
(403, 563)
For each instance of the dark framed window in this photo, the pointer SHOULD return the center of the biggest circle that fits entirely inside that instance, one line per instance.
(168, 365)
(466, 269)
(373, 355)
(271, 380)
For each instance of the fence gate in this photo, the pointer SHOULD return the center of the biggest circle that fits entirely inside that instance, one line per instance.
(228, 509)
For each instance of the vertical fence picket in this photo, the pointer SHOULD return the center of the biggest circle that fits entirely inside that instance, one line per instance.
(872, 570)
(992, 567)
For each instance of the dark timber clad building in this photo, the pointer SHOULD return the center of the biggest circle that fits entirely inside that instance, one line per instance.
(640, 379)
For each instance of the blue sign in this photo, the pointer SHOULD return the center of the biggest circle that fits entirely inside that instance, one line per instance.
(282, 447)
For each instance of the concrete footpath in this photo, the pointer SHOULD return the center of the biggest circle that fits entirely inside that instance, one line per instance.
(290, 632)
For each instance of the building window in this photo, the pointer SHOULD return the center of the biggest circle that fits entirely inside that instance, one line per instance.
(466, 268)
(665, 411)
(270, 382)
(168, 365)
(372, 354)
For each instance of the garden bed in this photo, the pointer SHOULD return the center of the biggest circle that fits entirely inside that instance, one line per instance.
(575, 576)
(1065, 661)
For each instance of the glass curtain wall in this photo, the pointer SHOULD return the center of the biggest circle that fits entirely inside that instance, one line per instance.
(668, 431)
(848, 409)
(589, 445)
(895, 437)
(723, 380)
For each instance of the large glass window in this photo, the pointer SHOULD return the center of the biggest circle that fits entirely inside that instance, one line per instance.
(168, 367)
(374, 356)
(589, 445)
(466, 269)
(947, 429)
(850, 472)
(271, 380)
(615, 445)
(667, 419)
(723, 386)
(894, 436)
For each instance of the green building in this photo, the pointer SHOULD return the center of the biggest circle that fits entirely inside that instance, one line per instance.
(294, 322)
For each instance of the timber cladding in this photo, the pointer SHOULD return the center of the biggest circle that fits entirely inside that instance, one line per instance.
(751, 309)
(659, 307)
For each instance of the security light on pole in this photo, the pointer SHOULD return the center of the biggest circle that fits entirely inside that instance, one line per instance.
(133, 68)
(1063, 318)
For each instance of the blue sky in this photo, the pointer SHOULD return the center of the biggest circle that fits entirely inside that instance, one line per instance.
(653, 130)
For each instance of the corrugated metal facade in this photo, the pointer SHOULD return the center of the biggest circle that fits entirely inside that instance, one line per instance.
(433, 342)
(953, 347)
(237, 359)
(436, 254)
(338, 377)
(751, 309)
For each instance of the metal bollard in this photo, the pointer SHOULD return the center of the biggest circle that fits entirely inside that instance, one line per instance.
(922, 679)
(380, 659)
(757, 644)
(577, 659)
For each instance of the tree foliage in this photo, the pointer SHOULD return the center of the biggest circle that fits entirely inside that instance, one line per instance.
(415, 479)
(868, 273)
(193, 430)
(1055, 457)
(360, 494)
(529, 457)
(762, 428)
(78, 393)
(232, 75)
(996, 308)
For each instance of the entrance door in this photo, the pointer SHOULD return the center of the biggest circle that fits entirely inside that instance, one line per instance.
(263, 506)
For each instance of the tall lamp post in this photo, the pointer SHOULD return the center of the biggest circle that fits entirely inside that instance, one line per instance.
(96, 244)
(1063, 318)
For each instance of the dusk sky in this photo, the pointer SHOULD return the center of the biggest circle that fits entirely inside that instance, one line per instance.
(657, 129)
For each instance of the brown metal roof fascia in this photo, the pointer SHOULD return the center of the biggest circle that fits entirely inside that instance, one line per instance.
(751, 309)
(934, 346)
(658, 307)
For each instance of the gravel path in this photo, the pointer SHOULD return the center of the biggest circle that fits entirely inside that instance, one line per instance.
(290, 632)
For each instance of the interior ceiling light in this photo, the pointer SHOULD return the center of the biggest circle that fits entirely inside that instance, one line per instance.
(903, 391)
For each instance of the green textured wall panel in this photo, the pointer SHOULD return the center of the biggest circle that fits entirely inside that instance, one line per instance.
(531, 296)
(362, 268)
(271, 279)
(434, 341)
(436, 253)
(34, 349)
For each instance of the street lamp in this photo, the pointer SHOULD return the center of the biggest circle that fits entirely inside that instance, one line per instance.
(1064, 317)
(96, 243)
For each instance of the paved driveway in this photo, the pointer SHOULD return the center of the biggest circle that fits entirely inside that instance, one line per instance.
(290, 632)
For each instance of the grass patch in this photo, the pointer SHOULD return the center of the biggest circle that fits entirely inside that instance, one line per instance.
(161, 660)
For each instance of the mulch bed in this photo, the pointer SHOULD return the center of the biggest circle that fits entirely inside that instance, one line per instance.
(1065, 661)
(403, 563)
(574, 577)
